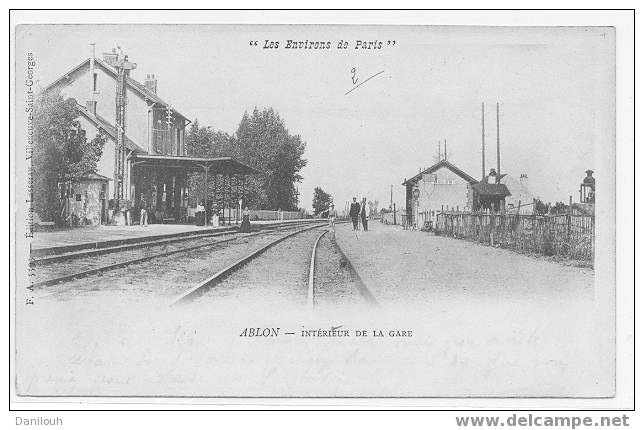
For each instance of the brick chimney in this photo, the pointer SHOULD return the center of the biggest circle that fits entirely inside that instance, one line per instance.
(523, 180)
(151, 83)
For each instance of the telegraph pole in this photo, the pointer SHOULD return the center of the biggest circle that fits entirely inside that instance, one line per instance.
(391, 199)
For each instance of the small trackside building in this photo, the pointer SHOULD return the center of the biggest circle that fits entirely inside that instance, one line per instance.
(442, 186)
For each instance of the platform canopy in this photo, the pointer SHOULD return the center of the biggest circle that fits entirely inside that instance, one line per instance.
(228, 165)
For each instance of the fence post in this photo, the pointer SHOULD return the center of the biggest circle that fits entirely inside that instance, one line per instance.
(492, 225)
(568, 222)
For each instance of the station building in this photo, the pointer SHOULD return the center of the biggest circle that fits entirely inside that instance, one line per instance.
(156, 165)
(445, 187)
(442, 186)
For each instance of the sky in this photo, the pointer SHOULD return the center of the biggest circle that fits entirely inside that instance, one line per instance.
(555, 87)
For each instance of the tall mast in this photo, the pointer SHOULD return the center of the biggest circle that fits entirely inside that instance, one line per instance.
(498, 146)
(483, 139)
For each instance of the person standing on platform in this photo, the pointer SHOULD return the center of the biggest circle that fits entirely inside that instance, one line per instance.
(143, 220)
(200, 214)
(332, 215)
(363, 213)
(354, 212)
(245, 225)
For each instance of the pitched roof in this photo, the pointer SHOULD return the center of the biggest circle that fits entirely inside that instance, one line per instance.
(138, 88)
(435, 167)
(95, 176)
(102, 124)
(491, 190)
(196, 164)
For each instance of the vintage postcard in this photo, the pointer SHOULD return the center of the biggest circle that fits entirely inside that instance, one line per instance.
(314, 211)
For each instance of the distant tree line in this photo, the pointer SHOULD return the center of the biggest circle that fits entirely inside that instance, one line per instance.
(542, 208)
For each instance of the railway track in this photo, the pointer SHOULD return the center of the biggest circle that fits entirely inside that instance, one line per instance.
(71, 271)
(310, 297)
(44, 257)
(220, 278)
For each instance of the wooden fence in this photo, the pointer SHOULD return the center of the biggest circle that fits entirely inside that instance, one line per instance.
(569, 236)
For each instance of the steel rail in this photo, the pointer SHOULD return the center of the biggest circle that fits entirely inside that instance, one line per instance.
(89, 272)
(154, 241)
(311, 291)
(218, 277)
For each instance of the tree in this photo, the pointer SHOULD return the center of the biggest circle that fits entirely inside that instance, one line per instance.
(321, 200)
(540, 207)
(207, 142)
(61, 151)
(263, 141)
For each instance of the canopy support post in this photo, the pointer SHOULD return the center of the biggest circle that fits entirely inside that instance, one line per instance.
(205, 203)
(230, 196)
(215, 202)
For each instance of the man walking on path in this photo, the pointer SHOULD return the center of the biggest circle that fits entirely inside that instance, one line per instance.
(363, 213)
(354, 212)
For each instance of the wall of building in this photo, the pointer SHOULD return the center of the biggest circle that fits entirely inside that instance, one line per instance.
(137, 109)
(443, 188)
(164, 141)
(137, 120)
(85, 202)
(105, 165)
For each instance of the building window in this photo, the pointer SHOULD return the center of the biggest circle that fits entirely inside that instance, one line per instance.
(94, 81)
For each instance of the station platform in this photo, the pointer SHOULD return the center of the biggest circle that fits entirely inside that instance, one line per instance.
(74, 239)
(404, 265)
